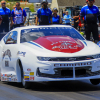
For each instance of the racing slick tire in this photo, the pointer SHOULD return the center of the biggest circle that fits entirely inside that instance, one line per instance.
(95, 81)
(25, 84)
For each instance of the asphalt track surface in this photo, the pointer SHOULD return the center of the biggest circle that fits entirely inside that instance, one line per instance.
(69, 90)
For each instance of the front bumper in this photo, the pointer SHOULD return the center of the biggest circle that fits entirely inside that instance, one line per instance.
(73, 70)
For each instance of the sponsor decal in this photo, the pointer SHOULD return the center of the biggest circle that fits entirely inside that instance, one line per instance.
(21, 53)
(6, 75)
(66, 45)
(13, 79)
(74, 64)
(62, 42)
(31, 73)
(9, 79)
(7, 53)
(9, 75)
(6, 63)
(31, 78)
(26, 73)
(2, 78)
(28, 69)
(26, 77)
(5, 79)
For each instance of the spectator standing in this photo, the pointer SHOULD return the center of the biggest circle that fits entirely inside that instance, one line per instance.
(18, 17)
(67, 18)
(44, 14)
(6, 14)
(90, 13)
(56, 19)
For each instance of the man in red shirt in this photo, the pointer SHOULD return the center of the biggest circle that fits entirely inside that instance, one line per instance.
(0, 20)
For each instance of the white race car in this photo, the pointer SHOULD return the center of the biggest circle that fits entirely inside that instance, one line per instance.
(48, 53)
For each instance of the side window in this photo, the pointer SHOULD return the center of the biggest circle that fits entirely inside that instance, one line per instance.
(12, 38)
(6, 37)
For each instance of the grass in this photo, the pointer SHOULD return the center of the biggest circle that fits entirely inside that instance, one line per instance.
(24, 4)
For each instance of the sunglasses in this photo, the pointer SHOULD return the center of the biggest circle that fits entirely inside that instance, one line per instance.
(4, 3)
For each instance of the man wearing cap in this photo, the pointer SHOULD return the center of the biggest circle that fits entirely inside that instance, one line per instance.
(6, 14)
(90, 13)
(44, 14)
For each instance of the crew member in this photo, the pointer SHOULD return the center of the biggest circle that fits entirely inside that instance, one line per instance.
(90, 13)
(44, 14)
(18, 17)
(6, 14)
(56, 19)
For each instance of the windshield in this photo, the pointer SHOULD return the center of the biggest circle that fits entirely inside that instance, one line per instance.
(34, 33)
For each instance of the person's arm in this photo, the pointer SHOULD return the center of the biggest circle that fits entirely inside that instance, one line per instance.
(51, 17)
(82, 14)
(37, 19)
(0, 22)
(25, 15)
(60, 21)
(75, 17)
(98, 14)
(24, 20)
(12, 15)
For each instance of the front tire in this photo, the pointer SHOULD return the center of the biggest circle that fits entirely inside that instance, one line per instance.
(25, 84)
(95, 81)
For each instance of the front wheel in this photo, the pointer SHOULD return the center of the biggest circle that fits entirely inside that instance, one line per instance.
(24, 83)
(95, 81)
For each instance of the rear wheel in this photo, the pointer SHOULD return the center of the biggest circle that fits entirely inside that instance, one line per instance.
(95, 81)
(25, 84)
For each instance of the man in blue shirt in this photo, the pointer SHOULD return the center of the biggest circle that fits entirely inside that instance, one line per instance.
(44, 14)
(67, 18)
(6, 14)
(91, 14)
(17, 16)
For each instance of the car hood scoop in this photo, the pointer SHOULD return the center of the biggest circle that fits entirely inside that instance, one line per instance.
(64, 44)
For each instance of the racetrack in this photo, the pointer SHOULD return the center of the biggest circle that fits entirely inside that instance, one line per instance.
(70, 90)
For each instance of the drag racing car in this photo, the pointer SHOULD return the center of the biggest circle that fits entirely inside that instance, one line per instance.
(48, 53)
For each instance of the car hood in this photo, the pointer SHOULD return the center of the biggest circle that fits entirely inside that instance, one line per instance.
(64, 44)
